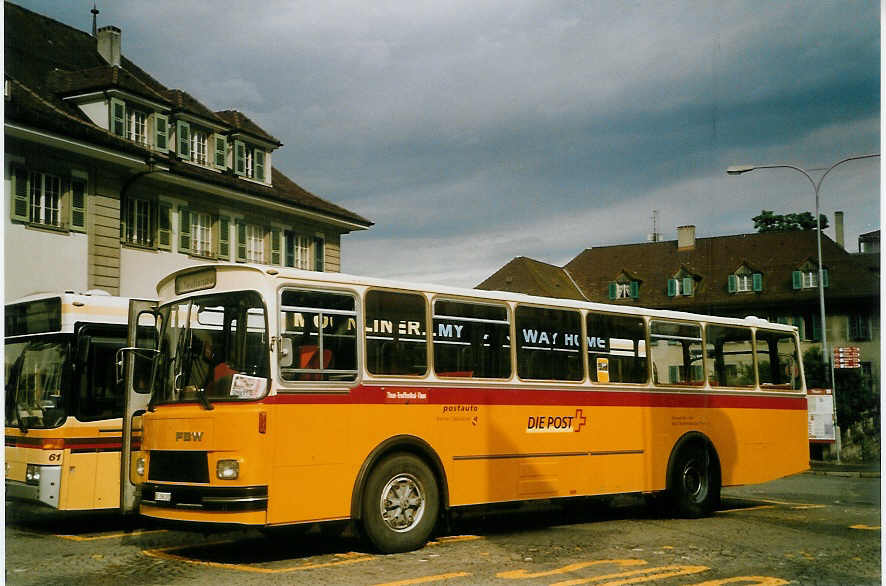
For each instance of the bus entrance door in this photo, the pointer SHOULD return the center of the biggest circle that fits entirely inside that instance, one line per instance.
(138, 361)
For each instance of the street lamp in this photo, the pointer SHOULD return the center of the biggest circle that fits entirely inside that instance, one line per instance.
(816, 186)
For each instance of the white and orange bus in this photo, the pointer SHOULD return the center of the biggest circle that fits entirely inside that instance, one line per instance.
(286, 397)
(63, 401)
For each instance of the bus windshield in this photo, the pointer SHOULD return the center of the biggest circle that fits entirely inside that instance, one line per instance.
(35, 382)
(212, 347)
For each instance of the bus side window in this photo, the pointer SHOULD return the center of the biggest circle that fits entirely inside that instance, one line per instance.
(730, 356)
(471, 340)
(548, 344)
(100, 396)
(677, 353)
(616, 348)
(396, 333)
(777, 362)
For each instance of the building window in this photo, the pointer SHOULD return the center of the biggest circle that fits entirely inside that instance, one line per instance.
(45, 196)
(139, 222)
(859, 327)
(137, 126)
(201, 234)
(298, 251)
(745, 280)
(807, 277)
(199, 142)
(249, 161)
(255, 243)
(682, 285)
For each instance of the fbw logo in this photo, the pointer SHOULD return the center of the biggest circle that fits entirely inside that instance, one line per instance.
(547, 423)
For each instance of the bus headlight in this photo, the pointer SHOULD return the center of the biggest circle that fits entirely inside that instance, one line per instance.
(32, 474)
(227, 469)
(140, 466)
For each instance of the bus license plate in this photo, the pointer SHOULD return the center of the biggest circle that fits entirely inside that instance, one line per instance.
(165, 497)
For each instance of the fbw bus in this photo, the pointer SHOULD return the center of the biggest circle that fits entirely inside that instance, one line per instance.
(63, 402)
(288, 397)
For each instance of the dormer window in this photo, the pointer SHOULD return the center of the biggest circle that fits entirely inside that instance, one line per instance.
(807, 276)
(136, 123)
(682, 284)
(624, 287)
(745, 280)
(250, 161)
(199, 142)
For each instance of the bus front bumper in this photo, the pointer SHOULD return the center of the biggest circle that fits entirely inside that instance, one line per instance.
(205, 498)
(46, 491)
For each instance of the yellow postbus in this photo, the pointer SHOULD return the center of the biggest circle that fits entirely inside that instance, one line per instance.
(285, 397)
(63, 401)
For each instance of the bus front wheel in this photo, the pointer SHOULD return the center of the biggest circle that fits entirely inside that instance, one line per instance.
(401, 503)
(694, 487)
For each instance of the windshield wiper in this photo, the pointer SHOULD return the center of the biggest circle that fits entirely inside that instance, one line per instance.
(201, 394)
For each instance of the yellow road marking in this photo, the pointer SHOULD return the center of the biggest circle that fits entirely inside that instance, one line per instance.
(865, 527)
(109, 536)
(523, 574)
(426, 579)
(163, 553)
(455, 539)
(750, 580)
(745, 509)
(642, 575)
(804, 507)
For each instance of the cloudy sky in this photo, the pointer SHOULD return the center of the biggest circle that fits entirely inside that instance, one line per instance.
(475, 131)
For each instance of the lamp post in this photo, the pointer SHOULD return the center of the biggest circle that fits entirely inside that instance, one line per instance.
(816, 187)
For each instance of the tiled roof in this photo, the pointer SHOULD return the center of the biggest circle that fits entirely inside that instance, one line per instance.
(525, 275)
(712, 260)
(242, 123)
(46, 60)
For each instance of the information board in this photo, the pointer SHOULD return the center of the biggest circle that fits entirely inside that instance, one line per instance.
(820, 404)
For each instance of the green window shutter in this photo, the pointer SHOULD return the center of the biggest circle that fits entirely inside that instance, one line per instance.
(797, 279)
(275, 246)
(241, 242)
(672, 287)
(239, 157)
(118, 117)
(673, 374)
(224, 238)
(221, 151)
(161, 132)
(688, 283)
(816, 327)
(164, 227)
(732, 283)
(259, 165)
(78, 205)
(635, 289)
(21, 200)
(184, 230)
(319, 253)
(825, 278)
(183, 133)
(613, 288)
(757, 281)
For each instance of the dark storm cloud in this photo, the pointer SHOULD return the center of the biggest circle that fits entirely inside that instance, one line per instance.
(530, 128)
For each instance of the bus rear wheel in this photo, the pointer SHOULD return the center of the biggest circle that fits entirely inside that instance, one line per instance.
(401, 503)
(694, 488)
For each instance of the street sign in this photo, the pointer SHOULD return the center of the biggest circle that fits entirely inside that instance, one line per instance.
(847, 357)
(820, 405)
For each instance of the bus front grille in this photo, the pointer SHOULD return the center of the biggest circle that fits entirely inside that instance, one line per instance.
(178, 466)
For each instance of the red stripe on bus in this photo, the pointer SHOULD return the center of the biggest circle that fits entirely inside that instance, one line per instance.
(92, 443)
(369, 395)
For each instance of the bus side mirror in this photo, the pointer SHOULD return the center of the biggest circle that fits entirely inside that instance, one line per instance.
(285, 352)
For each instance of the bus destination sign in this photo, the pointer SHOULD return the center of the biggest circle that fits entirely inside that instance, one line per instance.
(195, 281)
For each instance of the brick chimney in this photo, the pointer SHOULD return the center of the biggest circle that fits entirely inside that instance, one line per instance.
(686, 237)
(109, 44)
(838, 229)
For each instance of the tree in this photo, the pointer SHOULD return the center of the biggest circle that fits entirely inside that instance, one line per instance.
(768, 221)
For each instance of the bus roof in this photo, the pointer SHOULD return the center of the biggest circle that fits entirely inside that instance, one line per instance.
(285, 273)
(91, 306)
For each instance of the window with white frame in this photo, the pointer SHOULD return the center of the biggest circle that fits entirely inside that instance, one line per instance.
(682, 285)
(199, 144)
(806, 277)
(138, 220)
(45, 198)
(250, 161)
(136, 123)
(255, 243)
(201, 233)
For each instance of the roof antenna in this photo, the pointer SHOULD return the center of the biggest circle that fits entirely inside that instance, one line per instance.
(94, 12)
(654, 236)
